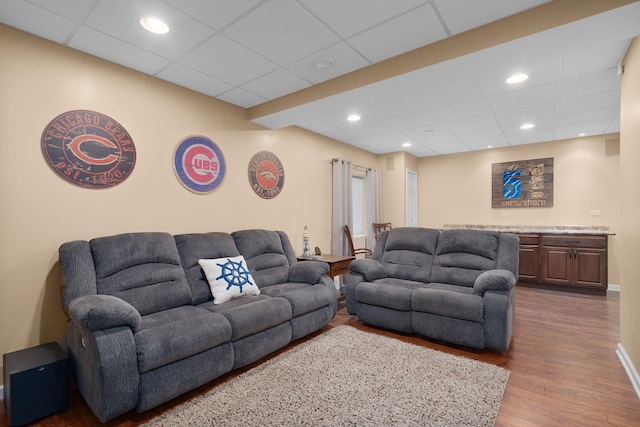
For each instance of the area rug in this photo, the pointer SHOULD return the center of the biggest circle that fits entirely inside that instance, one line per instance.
(348, 377)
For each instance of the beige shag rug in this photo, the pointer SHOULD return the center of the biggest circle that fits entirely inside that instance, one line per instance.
(347, 377)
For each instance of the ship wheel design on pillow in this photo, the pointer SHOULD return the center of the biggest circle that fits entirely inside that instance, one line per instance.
(234, 274)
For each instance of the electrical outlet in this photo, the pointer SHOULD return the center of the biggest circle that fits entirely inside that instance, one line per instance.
(596, 212)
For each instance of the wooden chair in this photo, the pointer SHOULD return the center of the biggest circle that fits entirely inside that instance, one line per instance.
(379, 227)
(354, 251)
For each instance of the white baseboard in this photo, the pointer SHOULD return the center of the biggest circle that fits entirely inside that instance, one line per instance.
(615, 288)
(628, 366)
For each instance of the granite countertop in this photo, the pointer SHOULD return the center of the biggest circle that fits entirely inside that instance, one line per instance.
(544, 229)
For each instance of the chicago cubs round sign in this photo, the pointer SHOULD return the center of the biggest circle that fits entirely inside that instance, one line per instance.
(266, 174)
(199, 164)
(88, 149)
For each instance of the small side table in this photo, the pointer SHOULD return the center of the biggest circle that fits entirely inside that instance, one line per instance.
(36, 383)
(338, 264)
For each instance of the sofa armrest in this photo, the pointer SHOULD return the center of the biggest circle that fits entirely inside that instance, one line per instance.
(369, 268)
(97, 312)
(494, 280)
(308, 271)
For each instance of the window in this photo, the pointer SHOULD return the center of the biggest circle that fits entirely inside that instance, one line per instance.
(359, 204)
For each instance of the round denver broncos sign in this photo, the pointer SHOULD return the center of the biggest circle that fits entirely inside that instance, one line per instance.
(88, 149)
(199, 164)
(266, 174)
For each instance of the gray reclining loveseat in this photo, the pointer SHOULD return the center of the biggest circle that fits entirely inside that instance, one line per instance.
(143, 326)
(451, 285)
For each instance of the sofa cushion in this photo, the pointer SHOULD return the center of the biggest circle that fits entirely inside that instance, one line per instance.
(141, 268)
(228, 278)
(303, 297)
(446, 303)
(462, 255)
(174, 334)
(248, 316)
(408, 253)
(390, 293)
(265, 255)
(193, 247)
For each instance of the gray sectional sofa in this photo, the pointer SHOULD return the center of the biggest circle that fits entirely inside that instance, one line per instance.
(451, 285)
(143, 326)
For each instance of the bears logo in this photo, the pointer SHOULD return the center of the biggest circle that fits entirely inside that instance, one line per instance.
(88, 149)
(266, 174)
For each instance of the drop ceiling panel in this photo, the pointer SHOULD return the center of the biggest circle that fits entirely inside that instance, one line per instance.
(539, 73)
(404, 33)
(226, 60)
(276, 83)
(185, 32)
(194, 80)
(282, 31)
(72, 9)
(524, 97)
(590, 84)
(589, 103)
(40, 22)
(414, 120)
(518, 116)
(241, 97)
(477, 13)
(462, 110)
(596, 58)
(216, 14)
(115, 50)
(350, 17)
(345, 59)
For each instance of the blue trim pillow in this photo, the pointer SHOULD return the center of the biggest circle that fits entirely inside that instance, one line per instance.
(228, 278)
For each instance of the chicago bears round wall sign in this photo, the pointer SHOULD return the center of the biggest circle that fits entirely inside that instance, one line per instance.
(199, 164)
(266, 174)
(88, 149)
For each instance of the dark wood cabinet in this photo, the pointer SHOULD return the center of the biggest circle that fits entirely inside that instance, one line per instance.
(572, 262)
(529, 257)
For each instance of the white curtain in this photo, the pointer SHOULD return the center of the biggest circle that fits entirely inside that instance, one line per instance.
(342, 206)
(373, 204)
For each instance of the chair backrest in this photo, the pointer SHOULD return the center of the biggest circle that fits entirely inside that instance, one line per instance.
(352, 250)
(379, 227)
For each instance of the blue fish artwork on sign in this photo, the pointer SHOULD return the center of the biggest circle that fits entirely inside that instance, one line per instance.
(511, 184)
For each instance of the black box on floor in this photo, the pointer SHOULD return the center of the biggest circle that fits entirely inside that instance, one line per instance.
(36, 383)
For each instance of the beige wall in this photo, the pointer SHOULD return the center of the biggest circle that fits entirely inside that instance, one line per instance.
(629, 223)
(394, 196)
(456, 189)
(39, 211)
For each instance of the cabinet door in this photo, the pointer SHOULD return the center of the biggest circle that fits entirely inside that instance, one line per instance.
(557, 265)
(590, 267)
(529, 268)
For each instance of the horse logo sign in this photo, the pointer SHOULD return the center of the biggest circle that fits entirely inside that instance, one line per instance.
(266, 174)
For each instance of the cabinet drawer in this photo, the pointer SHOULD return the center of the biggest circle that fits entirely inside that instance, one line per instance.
(528, 239)
(596, 242)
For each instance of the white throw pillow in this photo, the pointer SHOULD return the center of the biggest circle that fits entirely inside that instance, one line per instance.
(228, 278)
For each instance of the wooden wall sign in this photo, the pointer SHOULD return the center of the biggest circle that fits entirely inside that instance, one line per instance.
(266, 174)
(522, 184)
(88, 149)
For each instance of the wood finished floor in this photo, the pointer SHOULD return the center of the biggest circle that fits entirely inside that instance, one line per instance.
(564, 369)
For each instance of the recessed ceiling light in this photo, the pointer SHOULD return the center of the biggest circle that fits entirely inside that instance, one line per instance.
(489, 146)
(353, 118)
(582, 134)
(517, 78)
(527, 126)
(322, 63)
(406, 144)
(154, 25)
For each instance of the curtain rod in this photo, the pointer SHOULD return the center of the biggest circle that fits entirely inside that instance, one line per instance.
(364, 169)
